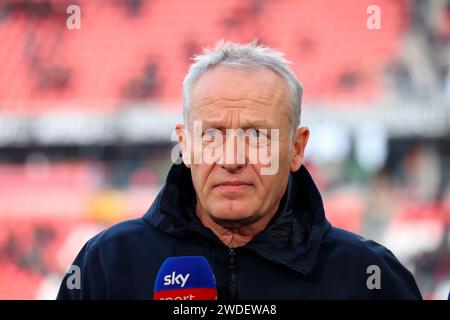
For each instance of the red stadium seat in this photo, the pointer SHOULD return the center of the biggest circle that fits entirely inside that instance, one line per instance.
(102, 65)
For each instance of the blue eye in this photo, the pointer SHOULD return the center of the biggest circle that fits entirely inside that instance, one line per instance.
(210, 135)
(257, 133)
(257, 138)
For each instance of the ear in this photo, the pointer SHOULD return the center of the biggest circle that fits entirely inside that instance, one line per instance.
(300, 141)
(181, 135)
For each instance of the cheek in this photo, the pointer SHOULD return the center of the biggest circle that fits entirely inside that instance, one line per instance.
(200, 178)
(285, 159)
(270, 186)
(263, 183)
(280, 162)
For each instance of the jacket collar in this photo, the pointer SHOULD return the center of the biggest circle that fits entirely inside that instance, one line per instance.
(292, 238)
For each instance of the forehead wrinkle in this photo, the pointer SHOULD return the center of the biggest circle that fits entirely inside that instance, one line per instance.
(228, 102)
(226, 108)
(236, 105)
(268, 95)
(239, 119)
(246, 116)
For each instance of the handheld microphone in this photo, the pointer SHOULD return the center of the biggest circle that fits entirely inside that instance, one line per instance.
(185, 278)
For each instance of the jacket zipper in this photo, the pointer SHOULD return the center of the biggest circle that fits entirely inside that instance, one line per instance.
(231, 256)
(233, 275)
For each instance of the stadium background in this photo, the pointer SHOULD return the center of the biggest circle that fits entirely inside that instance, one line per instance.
(86, 118)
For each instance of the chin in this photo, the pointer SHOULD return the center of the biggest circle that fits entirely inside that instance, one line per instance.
(233, 213)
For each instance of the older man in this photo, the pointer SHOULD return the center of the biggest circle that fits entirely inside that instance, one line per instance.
(260, 224)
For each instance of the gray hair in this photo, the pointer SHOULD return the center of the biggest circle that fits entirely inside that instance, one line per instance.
(239, 55)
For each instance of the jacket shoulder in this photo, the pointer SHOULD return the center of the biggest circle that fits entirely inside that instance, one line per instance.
(342, 243)
(119, 232)
(94, 259)
(362, 256)
(354, 242)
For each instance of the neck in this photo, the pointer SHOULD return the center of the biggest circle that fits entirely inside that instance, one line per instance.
(234, 233)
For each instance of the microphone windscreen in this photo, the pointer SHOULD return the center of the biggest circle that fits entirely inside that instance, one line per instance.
(185, 278)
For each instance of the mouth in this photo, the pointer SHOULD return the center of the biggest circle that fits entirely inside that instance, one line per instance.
(233, 186)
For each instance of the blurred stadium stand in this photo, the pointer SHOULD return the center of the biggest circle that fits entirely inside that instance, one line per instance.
(144, 41)
(86, 118)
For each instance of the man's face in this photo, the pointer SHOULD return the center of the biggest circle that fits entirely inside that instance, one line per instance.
(226, 98)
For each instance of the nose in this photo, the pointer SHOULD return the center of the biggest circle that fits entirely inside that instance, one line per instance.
(234, 155)
(233, 167)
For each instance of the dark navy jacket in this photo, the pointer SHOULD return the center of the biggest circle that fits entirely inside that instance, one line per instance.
(298, 256)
